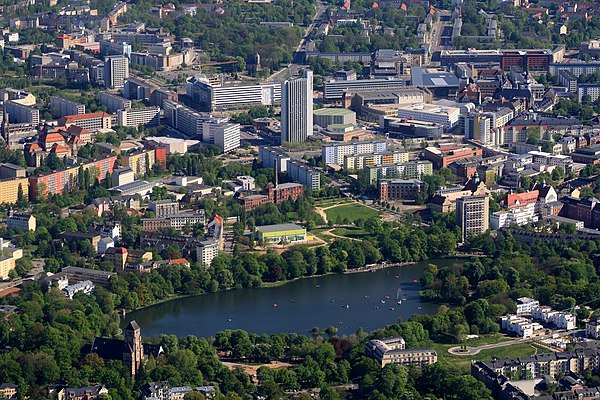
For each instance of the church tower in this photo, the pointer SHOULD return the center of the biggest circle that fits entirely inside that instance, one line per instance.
(133, 353)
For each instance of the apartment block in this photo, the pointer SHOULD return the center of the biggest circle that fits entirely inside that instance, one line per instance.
(273, 155)
(9, 189)
(60, 107)
(164, 208)
(22, 221)
(113, 102)
(140, 162)
(136, 117)
(116, 71)
(207, 251)
(356, 162)
(21, 114)
(304, 174)
(408, 170)
(472, 215)
(334, 153)
(176, 221)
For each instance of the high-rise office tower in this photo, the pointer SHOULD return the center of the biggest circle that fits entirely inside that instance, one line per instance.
(116, 71)
(473, 215)
(297, 108)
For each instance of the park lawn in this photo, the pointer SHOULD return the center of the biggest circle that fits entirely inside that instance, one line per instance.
(318, 232)
(464, 362)
(355, 233)
(351, 212)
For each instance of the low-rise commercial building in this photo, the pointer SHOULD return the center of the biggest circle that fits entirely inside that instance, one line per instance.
(282, 233)
(328, 116)
(446, 116)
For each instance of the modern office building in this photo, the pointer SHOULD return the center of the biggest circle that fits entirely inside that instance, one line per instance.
(404, 128)
(297, 108)
(473, 215)
(334, 153)
(113, 102)
(335, 89)
(214, 95)
(135, 117)
(60, 107)
(446, 116)
(116, 71)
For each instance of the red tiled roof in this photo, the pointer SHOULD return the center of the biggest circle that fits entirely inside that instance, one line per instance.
(522, 199)
(53, 137)
(78, 117)
(179, 261)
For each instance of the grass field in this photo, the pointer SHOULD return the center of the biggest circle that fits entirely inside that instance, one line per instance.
(349, 232)
(464, 362)
(351, 211)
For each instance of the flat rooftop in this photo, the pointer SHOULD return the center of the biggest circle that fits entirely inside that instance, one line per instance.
(333, 111)
(279, 228)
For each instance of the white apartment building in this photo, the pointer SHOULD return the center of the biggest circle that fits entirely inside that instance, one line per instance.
(297, 108)
(588, 89)
(519, 326)
(516, 215)
(446, 116)
(272, 155)
(113, 102)
(334, 153)
(560, 319)
(135, 117)
(525, 305)
(116, 71)
(207, 251)
(60, 107)
(472, 215)
(592, 329)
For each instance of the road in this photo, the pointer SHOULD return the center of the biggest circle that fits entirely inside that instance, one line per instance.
(471, 351)
(444, 20)
(279, 75)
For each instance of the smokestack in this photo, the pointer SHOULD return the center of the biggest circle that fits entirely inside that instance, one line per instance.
(276, 174)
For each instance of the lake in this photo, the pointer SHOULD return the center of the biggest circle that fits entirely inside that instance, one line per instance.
(346, 301)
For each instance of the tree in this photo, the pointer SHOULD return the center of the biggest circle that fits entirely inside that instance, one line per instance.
(194, 396)
(21, 200)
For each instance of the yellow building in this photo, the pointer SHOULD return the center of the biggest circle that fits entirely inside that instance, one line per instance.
(8, 262)
(9, 189)
(355, 162)
(140, 162)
